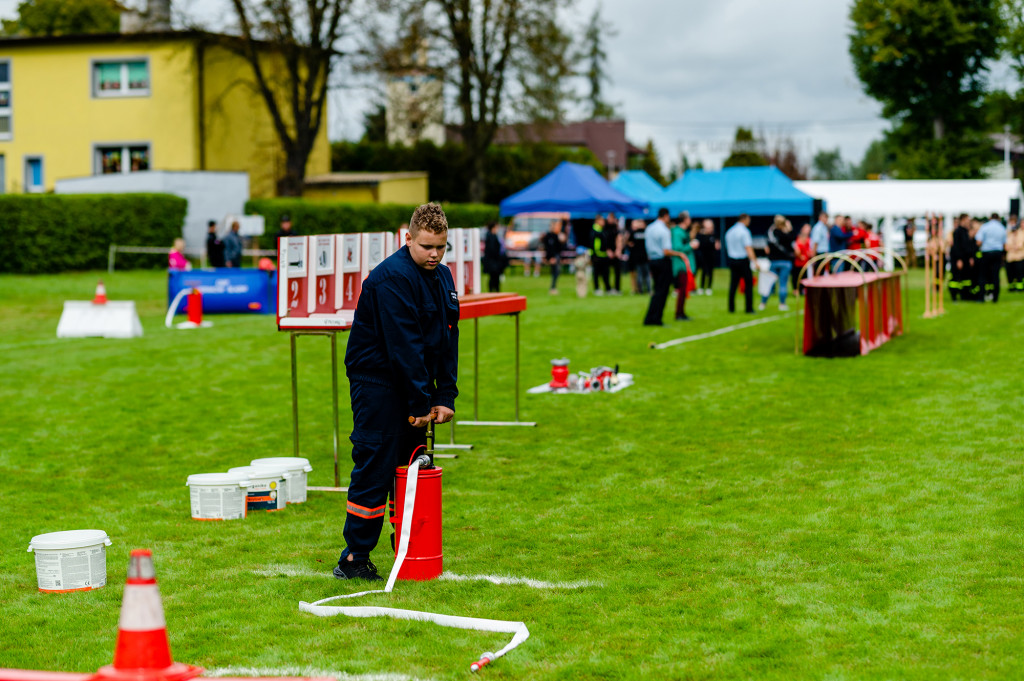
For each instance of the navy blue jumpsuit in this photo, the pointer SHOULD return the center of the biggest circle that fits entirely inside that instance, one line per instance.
(401, 360)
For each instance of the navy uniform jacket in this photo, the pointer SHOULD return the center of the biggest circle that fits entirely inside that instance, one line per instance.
(406, 331)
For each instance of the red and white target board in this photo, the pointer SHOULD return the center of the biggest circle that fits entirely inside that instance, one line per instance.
(321, 276)
(320, 279)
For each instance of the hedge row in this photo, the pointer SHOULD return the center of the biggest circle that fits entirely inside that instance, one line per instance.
(324, 217)
(59, 232)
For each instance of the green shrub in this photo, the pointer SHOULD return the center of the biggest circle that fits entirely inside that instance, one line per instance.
(329, 217)
(59, 232)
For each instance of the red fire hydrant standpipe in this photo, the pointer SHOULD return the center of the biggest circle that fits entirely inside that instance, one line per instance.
(518, 629)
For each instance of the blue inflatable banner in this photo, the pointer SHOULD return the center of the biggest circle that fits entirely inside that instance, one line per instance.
(227, 289)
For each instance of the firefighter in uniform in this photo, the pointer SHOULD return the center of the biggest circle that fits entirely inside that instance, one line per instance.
(599, 257)
(401, 361)
(961, 260)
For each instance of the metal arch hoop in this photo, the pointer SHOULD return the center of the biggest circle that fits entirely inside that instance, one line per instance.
(826, 259)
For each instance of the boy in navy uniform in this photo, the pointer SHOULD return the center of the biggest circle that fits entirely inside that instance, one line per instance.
(401, 361)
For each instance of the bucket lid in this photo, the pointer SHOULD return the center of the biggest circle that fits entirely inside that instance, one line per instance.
(69, 539)
(293, 462)
(262, 472)
(217, 479)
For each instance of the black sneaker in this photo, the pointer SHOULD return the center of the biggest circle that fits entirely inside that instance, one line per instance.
(357, 569)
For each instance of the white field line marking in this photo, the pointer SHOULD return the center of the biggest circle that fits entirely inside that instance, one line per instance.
(306, 672)
(533, 583)
(288, 571)
(718, 332)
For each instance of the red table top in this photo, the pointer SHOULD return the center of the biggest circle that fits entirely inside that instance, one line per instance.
(487, 304)
(848, 279)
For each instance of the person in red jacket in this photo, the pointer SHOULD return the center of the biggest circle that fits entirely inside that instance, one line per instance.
(803, 247)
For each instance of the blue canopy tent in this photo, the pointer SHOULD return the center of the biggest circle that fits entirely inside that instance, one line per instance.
(763, 190)
(641, 186)
(571, 188)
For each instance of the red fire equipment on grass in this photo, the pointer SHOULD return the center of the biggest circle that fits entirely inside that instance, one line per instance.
(423, 560)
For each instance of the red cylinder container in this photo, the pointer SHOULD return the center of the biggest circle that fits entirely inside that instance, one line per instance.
(423, 560)
(194, 306)
(559, 374)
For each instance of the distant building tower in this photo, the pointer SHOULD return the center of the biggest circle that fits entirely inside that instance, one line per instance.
(415, 105)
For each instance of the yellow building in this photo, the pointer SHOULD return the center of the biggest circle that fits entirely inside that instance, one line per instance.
(409, 188)
(74, 106)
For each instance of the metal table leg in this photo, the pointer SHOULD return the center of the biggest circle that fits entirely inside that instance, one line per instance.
(476, 385)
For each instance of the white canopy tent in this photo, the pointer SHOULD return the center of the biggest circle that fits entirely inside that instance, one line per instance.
(886, 200)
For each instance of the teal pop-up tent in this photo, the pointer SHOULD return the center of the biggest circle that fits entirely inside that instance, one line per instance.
(641, 186)
(763, 190)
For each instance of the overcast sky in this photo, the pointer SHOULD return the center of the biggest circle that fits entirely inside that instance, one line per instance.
(685, 73)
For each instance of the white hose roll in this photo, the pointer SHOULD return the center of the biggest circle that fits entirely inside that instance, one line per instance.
(518, 629)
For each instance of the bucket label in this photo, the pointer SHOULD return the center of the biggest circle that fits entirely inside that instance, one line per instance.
(70, 569)
(297, 487)
(217, 503)
(265, 495)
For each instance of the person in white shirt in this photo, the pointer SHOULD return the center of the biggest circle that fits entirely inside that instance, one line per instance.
(739, 254)
(819, 234)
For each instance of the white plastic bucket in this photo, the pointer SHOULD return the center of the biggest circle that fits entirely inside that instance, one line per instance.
(75, 560)
(217, 496)
(268, 487)
(298, 467)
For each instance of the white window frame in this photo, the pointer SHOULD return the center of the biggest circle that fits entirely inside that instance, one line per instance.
(97, 157)
(32, 189)
(124, 91)
(7, 110)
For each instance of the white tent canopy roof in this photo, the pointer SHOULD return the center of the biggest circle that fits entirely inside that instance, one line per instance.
(905, 198)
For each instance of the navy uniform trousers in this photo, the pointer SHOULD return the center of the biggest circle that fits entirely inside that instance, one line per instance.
(382, 440)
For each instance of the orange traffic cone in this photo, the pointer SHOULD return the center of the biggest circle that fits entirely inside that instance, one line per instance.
(101, 294)
(142, 652)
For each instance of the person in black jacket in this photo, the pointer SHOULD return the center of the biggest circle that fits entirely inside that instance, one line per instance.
(961, 260)
(214, 246)
(494, 260)
(402, 362)
(554, 242)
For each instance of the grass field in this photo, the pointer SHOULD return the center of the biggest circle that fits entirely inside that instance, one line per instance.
(741, 512)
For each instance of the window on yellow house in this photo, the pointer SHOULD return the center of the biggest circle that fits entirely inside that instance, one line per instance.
(121, 158)
(120, 78)
(5, 100)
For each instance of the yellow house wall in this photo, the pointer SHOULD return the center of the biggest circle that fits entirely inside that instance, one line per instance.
(354, 194)
(411, 191)
(240, 134)
(56, 116)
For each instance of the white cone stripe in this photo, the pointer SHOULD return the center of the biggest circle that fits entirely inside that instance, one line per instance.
(302, 672)
(520, 581)
(141, 609)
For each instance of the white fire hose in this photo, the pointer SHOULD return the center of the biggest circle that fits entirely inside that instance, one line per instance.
(521, 633)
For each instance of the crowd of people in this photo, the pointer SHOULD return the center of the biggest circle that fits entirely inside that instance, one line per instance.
(976, 253)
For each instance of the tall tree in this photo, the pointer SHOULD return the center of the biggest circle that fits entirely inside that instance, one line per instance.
(784, 156)
(1006, 107)
(746, 150)
(290, 47)
(593, 54)
(481, 47)
(828, 164)
(544, 69)
(64, 17)
(649, 162)
(926, 62)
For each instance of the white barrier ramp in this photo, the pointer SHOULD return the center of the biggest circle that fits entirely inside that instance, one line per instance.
(113, 319)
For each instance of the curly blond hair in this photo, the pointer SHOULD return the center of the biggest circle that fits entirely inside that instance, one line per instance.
(429, 216)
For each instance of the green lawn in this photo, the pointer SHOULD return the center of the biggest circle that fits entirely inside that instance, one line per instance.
(741, 512)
